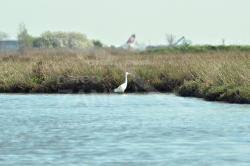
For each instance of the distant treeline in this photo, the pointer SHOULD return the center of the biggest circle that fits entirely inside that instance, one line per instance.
(61, 40)
(73, 40)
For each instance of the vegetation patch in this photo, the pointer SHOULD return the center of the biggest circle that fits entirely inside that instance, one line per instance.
(190, 89)
(216, 74)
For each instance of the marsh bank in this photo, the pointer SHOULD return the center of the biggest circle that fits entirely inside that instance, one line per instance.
(212, 73)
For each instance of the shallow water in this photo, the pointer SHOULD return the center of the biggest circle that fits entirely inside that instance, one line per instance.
(119, 130)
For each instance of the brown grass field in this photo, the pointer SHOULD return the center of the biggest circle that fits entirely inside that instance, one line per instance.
(212, 75)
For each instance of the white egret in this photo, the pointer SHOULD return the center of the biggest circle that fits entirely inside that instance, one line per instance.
(123, 86)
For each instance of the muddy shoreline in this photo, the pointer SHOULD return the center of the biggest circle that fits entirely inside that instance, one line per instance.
(86, 85)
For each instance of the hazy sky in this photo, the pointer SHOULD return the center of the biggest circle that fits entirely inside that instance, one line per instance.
(112, 21)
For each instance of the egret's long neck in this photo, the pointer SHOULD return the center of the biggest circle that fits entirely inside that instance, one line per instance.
(126, 78)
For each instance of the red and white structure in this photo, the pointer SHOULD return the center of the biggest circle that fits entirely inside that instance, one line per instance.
(131, 41)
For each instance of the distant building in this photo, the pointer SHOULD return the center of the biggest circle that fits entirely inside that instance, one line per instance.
(8, 45)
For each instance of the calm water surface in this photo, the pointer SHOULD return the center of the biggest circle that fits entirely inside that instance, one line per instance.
(115, 130)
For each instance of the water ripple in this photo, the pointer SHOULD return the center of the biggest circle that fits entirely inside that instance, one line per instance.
(115, 130)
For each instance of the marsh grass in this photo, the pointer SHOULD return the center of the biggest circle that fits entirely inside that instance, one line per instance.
(213, 75)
